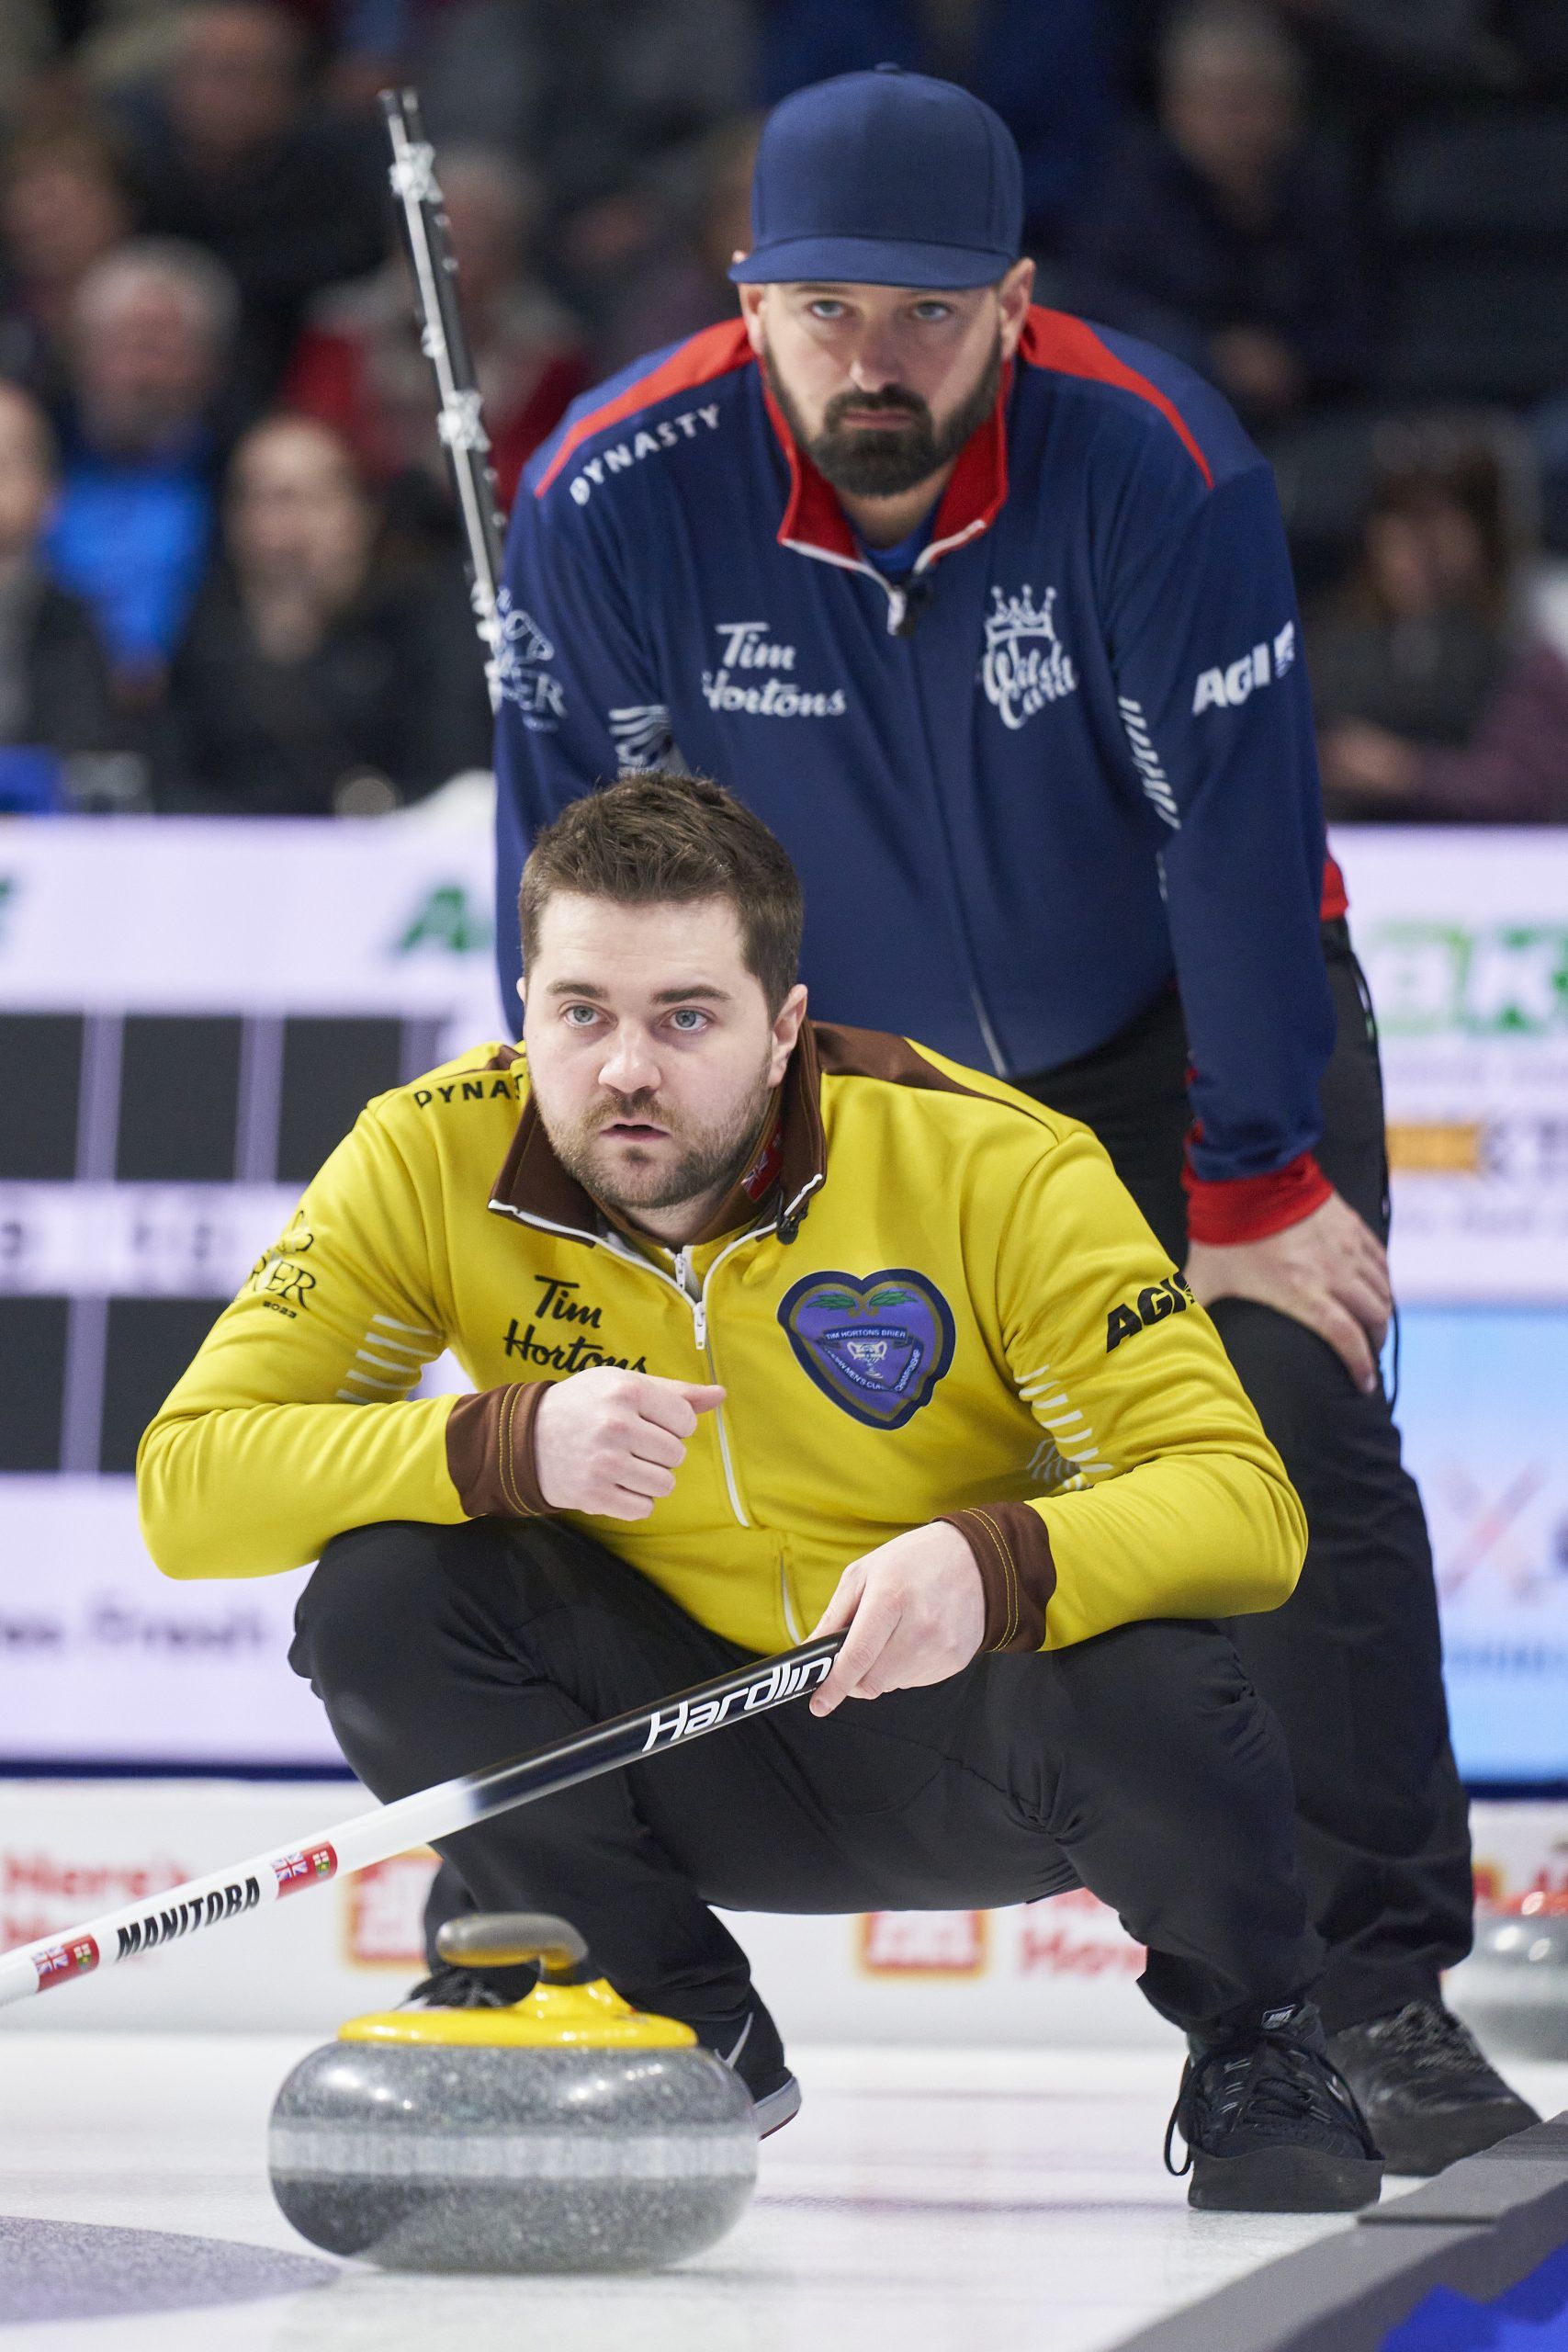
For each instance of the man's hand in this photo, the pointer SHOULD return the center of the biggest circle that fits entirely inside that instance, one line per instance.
(610, 1442)
(915, 1609)
(1329, 1271)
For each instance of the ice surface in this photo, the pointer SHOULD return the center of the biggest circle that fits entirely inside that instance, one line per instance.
(923, 2200)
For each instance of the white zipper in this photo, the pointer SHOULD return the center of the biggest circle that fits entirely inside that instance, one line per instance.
(697, 1301)
(897, 595)
(678, 1282)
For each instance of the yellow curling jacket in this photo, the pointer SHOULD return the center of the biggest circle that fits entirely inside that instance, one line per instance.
(929, 1298)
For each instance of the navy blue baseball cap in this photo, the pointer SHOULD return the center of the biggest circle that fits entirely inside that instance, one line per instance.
(884, 178)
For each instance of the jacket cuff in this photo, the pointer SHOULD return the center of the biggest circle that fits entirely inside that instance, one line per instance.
(1335, 903)
(1248, 1208)
(1018, 1575)
(490, 1452)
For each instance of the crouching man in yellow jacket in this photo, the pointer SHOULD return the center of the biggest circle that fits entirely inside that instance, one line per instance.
(775, 1327)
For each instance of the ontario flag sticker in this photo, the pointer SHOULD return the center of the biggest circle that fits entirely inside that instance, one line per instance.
(77, 1958)
(308, 1866)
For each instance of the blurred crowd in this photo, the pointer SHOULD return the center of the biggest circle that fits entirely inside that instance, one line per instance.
(231, 574)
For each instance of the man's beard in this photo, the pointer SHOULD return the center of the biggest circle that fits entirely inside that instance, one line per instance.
(708, 1159)
(883, 461)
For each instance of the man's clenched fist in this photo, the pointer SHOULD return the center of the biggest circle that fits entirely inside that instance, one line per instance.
(611, 1441)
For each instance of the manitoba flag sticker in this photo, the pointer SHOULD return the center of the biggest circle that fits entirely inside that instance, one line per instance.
(77, 1958)
(306, 1867)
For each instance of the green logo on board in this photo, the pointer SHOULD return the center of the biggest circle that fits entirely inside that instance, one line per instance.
(447, 918)
(1489, 980)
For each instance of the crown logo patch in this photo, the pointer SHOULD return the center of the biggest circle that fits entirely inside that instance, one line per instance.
(1024, 667)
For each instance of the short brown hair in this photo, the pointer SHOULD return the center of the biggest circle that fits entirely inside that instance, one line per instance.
(657, 837)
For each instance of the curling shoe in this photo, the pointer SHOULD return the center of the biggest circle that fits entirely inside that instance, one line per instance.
(747, 2041)
(1270, 2125)
(467, 1988)
(1424, 2087)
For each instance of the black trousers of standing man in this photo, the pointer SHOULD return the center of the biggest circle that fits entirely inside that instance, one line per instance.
(1141, 1765)
(1352, 1663)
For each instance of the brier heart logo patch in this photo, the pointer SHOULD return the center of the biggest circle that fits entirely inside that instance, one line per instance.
(876, 1344)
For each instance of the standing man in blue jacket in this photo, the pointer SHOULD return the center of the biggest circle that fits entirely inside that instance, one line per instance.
(988, 614)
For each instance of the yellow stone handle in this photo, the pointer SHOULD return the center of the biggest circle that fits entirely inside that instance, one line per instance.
(506, 1939)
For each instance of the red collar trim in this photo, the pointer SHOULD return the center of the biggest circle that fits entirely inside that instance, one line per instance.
(813, 517)
(975, 491)
(977, 485)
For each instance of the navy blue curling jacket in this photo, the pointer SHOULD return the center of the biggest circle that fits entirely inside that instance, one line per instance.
(1068, 762)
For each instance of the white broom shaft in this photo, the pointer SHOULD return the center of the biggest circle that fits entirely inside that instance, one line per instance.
(230, 1893)
(416, 1820)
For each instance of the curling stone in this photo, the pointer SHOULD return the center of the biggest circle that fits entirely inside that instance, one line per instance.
(567, 2131)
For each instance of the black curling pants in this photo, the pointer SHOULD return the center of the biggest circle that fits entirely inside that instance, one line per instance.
(1352, 1663)
(1141, 1765)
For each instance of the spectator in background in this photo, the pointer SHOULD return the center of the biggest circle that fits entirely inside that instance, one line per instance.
(599, 94)
(360, 368)
(63, 207)
(677, 281)
(1549, 426)
(100, 45)
(1384, 58)
(54, 680)
(308, 682)
(229, 153)
(1436, 697)
(1045, 70)
(153, 327)
(1226, 235)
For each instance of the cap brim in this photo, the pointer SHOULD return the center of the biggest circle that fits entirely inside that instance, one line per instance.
(868, 261)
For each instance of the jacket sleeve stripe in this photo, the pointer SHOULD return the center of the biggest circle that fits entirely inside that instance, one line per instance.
(1071, 347)
(716, 352)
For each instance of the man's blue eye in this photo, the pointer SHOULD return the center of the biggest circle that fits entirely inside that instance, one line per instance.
(688, 1019)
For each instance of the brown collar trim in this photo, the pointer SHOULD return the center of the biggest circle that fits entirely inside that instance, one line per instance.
(533, 1183)
(802, 1169)
(756, 1186)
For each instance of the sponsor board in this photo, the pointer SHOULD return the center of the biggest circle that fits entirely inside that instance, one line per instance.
(1057, 1973)
(922, 1943)
(1481, 1403)
(1464, 940)
(168, 913)
(102, 1660)
(382, 1913)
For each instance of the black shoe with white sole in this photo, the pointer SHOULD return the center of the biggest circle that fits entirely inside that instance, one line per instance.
(1426, 2088)
(748, 2042)
(1270, 2125)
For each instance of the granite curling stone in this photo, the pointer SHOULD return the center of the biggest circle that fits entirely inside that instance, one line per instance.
(567, 2132)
